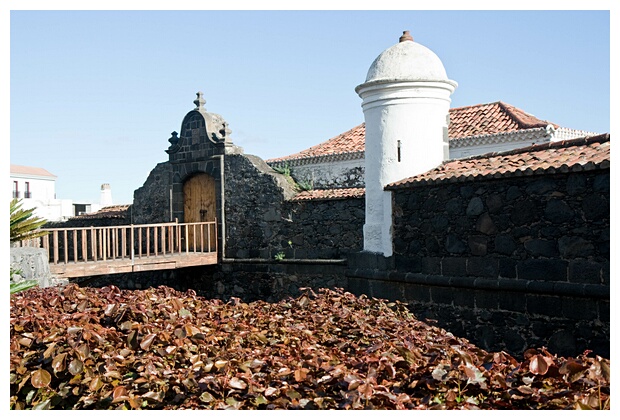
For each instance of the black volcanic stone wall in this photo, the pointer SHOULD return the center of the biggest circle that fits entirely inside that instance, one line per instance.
(151, 202)
(266, 281)
(551, 228)
(261, 221)
(508, 263)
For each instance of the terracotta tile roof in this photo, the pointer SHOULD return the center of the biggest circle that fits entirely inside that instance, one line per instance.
(333, 194)
(109, 212)
(30, 170)
(494, 118)
(585, 153)
(347, 142)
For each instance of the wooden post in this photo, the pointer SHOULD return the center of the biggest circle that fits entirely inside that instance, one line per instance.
(93, 243)
(110, 236)
(55, 247)
(139, 242)
(171, 239)
(124, 242)
(202, 237)
(66, 245)
(186, 239)
(163, 240)
(104, 234)
(209, 236)
(84, 247)
(115, 241)
(74, 245)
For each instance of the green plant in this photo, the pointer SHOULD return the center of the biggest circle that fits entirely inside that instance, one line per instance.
(279, 256)
(21, 286)
(305, 185)
(24, 285)
(24, 225)
(284, 169)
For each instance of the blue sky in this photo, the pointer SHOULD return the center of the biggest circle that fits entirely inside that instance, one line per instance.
(94, 95)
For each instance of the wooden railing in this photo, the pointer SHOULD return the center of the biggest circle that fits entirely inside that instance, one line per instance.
(130, 242)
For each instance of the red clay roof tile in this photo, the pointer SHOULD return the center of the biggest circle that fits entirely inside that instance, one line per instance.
(563, 156)
(347, 142)
(585, 153)
(494, 118)
(333, 194)
(109, 212)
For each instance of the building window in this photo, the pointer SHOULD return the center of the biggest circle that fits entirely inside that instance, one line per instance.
(27, 193)
(79, 209)
(15, 190)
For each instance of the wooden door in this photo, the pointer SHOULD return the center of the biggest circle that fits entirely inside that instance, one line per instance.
(199, 206)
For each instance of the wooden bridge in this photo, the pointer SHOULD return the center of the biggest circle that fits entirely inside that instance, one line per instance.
(90, 251)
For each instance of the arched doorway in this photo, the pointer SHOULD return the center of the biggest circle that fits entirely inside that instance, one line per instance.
(199, 205)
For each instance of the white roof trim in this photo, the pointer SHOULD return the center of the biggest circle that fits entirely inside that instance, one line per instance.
(336, 157)
(536, 134)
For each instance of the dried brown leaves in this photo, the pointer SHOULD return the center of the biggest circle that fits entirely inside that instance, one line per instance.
(159, 348)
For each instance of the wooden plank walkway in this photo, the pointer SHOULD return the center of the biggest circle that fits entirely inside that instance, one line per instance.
(90, 251)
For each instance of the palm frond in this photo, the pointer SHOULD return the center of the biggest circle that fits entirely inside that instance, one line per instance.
(24, 225)
(24, 285)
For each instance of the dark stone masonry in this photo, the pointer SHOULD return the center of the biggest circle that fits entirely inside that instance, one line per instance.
(529, 228)
(151, 202)
(509, 263)
(263, 219)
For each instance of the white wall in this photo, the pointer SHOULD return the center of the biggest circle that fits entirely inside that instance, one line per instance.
(40, 189)
(337, 174)
(461, 152)
(52, 210)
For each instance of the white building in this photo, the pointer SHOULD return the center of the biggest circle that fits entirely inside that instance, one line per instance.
(33, 183)
(36, 187)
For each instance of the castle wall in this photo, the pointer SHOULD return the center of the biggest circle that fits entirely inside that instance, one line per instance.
(508, 263)
(262, 220)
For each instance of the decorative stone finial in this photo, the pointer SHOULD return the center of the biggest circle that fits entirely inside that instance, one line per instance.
(199, 101)
(174, 140)
(405, 37)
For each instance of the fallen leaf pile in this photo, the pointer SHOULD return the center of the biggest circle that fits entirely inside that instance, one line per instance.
(88, 348)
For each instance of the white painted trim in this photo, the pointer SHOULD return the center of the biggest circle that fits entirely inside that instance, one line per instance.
(533, 134)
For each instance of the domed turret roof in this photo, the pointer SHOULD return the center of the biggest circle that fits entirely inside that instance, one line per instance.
(407, 61)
